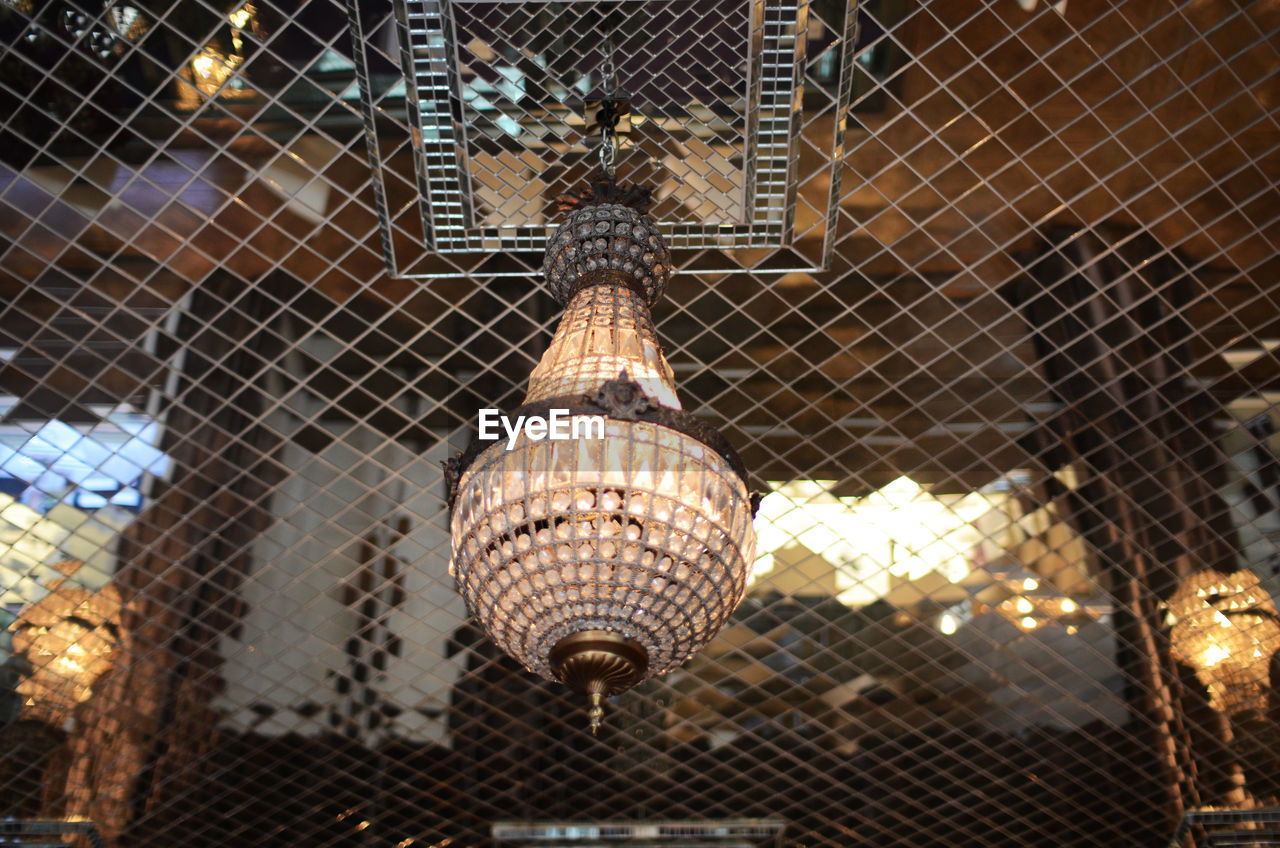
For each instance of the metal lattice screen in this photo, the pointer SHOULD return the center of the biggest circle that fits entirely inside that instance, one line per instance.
(1034, 393)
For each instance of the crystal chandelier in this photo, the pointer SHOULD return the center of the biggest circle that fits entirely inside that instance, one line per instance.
(601, 562)
(1225, 626)
(68, 640)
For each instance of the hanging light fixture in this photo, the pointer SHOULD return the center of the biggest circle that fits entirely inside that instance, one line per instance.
(68, 640)
(606, 559)
(1225, 626)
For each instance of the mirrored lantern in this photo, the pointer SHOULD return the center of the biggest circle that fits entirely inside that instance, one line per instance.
(615, 553)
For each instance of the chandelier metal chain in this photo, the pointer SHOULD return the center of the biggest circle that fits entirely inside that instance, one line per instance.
(609, 114)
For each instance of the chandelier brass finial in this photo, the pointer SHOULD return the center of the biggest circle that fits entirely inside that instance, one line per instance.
(598, 664)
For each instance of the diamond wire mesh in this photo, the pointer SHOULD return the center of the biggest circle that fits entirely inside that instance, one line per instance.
(1036, 388)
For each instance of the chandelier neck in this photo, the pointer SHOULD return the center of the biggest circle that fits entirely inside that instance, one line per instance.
(608, 278)
(606, 329)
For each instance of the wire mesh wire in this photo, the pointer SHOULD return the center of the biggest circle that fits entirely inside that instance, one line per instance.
(1033, 393)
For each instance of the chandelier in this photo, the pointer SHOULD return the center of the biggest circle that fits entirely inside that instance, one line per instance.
(67, 640)
(602, 560)
(1225, 626)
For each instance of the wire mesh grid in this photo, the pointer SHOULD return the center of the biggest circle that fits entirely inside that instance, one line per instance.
(1034, 392)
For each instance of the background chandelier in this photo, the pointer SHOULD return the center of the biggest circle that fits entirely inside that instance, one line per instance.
(1225, 626)
(596, 562)
(66, 641)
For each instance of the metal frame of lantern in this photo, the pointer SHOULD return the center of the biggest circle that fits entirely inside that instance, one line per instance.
(599, 563)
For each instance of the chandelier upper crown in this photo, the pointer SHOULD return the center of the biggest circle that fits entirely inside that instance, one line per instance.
(607, 237)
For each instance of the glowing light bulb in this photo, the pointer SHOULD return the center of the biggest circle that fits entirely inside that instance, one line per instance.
(69, 665)
(203, 65)
(1215, 654)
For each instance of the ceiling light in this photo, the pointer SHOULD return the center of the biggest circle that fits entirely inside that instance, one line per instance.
(1226, 627)
(601, 562)
(68, 640)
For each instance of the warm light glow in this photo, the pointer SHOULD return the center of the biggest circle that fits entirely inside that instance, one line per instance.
(212, 74)
(212, 70)
(605, 330)
(66, 665)
(204, 65)
(240, 17)
(1030, 584)
(638, 528)
(1046, 607)
(899, 531)
(1028, 623)
(947, 624)
(1215, 654)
